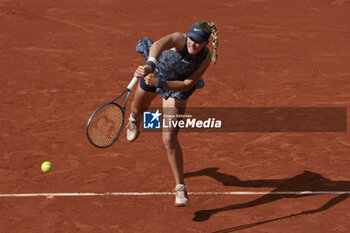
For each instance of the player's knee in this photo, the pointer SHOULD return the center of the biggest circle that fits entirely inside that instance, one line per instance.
(169, 142)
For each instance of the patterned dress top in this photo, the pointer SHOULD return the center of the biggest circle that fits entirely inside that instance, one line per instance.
(173, 65)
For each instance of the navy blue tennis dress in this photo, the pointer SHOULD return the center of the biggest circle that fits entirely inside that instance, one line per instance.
(173, 65)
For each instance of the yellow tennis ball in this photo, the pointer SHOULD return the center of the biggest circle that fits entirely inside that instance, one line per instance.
(46, 166)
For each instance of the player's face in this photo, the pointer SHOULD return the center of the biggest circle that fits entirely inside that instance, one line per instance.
(194, 47)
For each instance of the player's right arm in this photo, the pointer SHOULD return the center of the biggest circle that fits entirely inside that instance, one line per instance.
(175, 40)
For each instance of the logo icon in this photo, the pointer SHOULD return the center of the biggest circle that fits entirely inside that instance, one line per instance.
(184, 61)
(151, 120)
(197, 30)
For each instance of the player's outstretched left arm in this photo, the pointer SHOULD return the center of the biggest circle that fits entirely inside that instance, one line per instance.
(175, 40)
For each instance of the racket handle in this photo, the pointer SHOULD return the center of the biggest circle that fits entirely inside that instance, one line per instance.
(132, 83)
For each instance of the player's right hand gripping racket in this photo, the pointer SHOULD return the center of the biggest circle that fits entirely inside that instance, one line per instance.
(106, 122)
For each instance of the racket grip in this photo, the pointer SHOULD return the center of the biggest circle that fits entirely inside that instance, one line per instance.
(132, 83)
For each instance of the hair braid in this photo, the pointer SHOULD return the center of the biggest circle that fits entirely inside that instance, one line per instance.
(215, 34)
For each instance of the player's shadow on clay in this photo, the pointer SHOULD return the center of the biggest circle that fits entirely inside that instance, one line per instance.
(307, 181)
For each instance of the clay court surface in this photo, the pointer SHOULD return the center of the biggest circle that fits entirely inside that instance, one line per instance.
(60, 60)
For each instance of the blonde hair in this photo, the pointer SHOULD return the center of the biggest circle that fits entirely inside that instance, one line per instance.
(210, 28)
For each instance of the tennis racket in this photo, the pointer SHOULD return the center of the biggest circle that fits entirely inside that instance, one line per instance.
(106, 123)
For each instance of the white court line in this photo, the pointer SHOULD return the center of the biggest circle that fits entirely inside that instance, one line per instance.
(51, 195)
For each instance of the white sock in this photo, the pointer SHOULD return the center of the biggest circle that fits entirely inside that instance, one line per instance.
(131, 118)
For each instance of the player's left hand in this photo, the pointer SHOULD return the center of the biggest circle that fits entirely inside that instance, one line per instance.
(151, 80)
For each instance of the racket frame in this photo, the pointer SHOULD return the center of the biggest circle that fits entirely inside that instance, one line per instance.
(128, 90)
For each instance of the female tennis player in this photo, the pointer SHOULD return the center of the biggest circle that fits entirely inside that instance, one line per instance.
(174, 67)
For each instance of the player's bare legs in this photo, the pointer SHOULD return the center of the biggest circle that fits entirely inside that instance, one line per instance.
(141, 102)
(173, 106)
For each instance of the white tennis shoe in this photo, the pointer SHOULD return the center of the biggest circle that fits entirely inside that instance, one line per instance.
(181, 198)
(133, 129)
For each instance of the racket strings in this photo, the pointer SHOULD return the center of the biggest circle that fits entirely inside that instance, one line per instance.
(106, 125)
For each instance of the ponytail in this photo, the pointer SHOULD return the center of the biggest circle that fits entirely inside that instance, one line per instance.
(214, 33)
